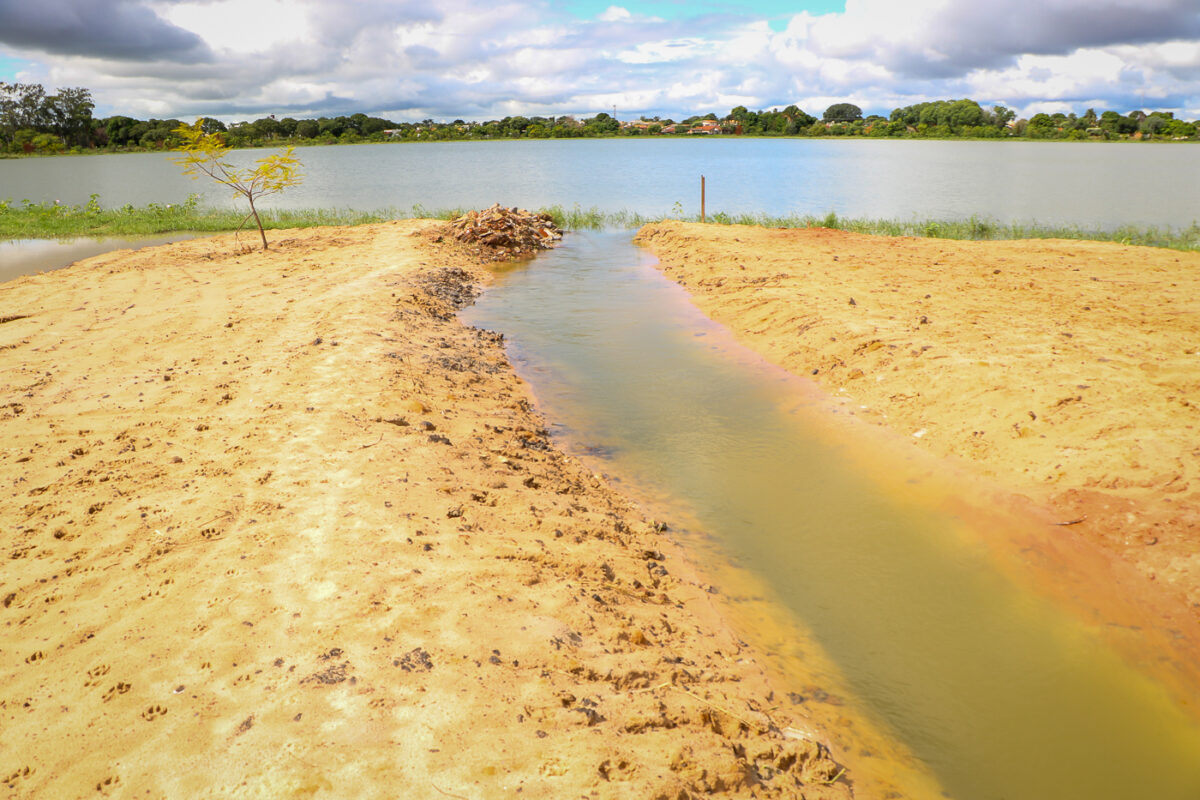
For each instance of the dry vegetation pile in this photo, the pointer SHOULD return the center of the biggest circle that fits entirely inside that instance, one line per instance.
(504, 233)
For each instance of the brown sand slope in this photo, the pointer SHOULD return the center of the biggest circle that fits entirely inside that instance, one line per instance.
(1066, 370)
(276, 524)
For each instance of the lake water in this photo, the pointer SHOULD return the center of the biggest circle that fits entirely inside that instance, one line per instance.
(1055, 183)
(29, 256)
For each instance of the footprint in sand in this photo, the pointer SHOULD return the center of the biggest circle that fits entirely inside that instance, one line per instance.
(95, 674)
(153, 712)
(120, 688)
(21, 774)
(108, 784)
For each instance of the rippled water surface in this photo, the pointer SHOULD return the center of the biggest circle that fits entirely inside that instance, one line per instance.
(1087, 184)
(999, 693)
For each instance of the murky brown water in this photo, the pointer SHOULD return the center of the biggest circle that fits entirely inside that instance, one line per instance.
(997, 691)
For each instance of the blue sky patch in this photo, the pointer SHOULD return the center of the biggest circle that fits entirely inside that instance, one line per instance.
(9, 67)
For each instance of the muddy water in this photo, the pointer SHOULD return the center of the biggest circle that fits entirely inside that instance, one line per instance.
(997, 692)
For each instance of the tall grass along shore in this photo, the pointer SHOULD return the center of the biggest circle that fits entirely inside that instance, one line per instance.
(28, 220)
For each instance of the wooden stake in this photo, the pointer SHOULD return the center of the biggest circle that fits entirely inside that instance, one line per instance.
(702, 198)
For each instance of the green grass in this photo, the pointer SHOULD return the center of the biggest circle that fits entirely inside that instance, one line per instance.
(28, 220)
(972, 229)
(980, 229)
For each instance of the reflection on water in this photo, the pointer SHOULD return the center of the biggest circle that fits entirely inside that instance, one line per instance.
(30, 256)
(1001, 694)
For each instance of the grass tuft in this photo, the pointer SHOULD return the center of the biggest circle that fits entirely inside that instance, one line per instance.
(26, 220)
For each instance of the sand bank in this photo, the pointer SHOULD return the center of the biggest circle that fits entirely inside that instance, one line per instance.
(276, 524)
(1066, 372)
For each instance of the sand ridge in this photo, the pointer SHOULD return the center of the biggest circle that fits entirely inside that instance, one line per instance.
(276, 525)
(1067, 371)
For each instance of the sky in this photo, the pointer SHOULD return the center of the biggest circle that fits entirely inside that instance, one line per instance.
(409, 60)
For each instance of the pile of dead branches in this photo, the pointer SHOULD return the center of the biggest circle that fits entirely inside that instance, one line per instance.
(506, 233)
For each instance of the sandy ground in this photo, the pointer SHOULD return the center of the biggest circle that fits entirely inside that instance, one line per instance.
(1067, 372)
(277, 525)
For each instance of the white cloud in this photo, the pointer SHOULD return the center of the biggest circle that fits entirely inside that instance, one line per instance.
(241, 26)
(480, 59)
(615, 14)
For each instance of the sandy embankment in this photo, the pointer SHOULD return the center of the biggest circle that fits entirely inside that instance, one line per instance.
(1065, 371)
(276, 524)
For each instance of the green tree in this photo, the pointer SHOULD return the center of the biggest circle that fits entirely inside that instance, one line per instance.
(842, 112)
(120, 130)
(1155, 122)
(1042, 126)
(265, 129)
(204, 154)
(210, 125)
(1001, 116)
(374, 125)
(601, 125)
(69, 115)
(307, 129)
(1115, 124)
(22, 106)
(1178, 128)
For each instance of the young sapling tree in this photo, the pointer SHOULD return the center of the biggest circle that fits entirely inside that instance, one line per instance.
(204, 154)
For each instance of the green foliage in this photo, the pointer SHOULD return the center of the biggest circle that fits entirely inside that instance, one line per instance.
(66, 115)
(26, 220)
(204, 154)
(949, 117)
(842, 112)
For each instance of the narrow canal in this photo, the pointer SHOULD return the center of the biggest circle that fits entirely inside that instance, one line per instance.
(996, 691)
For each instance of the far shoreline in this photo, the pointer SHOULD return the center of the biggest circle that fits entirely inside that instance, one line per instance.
(302, 144)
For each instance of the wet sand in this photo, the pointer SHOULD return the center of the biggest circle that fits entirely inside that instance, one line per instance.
(1062, 376)
(276, 524)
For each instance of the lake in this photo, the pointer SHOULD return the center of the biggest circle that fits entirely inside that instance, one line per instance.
(1086, 184)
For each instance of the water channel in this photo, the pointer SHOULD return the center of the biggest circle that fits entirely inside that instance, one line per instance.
(998, 692)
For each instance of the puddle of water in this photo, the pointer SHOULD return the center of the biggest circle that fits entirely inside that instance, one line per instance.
(30, 256)
(996, 690)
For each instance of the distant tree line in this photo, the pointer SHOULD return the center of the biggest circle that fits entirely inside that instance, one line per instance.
(34, 121)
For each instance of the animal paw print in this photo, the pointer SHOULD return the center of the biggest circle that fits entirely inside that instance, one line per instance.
(95, 674)
(206, 665)
(34, 657)
(21, 774)
(108, 784)
(209, 533)
(240, 679)
(113, 691)
(153, 712)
